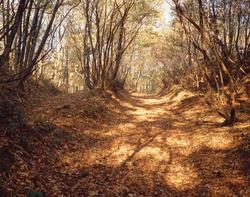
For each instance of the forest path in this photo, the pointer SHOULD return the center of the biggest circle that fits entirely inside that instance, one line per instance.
(150, 146)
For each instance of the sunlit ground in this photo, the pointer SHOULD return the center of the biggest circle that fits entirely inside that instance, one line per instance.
(140, 146)
(157, 143)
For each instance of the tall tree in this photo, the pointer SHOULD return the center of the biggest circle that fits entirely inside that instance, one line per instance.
(218, 32)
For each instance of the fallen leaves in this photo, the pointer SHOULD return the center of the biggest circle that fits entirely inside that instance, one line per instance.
(133, 147)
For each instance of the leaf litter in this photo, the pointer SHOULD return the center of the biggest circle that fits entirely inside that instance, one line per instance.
(121, 145)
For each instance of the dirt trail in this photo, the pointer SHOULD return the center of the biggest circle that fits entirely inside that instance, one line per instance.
(143, 146)
(160, 150)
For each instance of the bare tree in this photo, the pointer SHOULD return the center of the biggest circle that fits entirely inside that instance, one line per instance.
(29, 35)
(107, 37)
(218, 31)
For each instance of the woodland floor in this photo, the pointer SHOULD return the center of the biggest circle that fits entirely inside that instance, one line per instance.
(130, 146)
